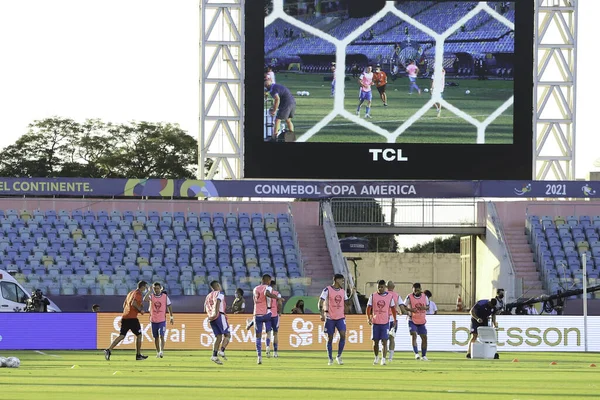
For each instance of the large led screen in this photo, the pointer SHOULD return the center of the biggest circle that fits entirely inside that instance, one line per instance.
(416, 90)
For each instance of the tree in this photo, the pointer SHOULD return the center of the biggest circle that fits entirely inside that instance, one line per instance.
(366, 212)
(94, 149)
(437, 245)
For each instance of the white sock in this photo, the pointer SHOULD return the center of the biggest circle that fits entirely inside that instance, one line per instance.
(391, 352)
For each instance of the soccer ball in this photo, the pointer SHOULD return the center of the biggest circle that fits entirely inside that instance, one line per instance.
(298, 93)
(13, 362)
(307, 93)
(2, 362)
(426, 90)
(467, 91)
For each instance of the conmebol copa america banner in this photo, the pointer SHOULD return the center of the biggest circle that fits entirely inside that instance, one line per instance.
(190, 188)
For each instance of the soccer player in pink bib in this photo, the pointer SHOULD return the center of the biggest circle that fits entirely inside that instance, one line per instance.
(263, 295)
(392, 333)
(413, 71)
(215, 308)
(159, 304)
(417, 304)
(365, 94)
(380, 308)
(272, 335)
(331, 306)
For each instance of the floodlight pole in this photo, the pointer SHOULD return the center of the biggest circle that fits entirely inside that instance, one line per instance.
(221, 89)
(554, 97)
(585, 308)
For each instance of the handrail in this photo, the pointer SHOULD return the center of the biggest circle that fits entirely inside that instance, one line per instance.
(296, 241)
(340, 264)
(493, 213)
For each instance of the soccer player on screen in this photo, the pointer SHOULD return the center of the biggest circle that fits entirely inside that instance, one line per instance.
(365, 94)
(333, 79)
(438, 106)
(159, 304)
(263, 296)
(215, 307)
(380, 308)
(332, 303)
(380, 79)
(284, 108)
(417, 304)
(271, 74)
(413, 71)
(132, 306)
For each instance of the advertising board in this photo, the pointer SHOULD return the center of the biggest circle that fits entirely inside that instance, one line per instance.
(306, 332)
(47, 331)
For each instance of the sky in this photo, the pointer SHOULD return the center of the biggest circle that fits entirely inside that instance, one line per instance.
(123, 60)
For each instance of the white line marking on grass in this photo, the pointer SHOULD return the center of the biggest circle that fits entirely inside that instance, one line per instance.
(46, 354)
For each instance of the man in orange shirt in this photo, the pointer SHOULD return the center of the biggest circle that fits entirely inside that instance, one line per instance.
(380, 79)
(129, 321)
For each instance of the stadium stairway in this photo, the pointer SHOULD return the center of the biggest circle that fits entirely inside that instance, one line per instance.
(317, 260)
(522, 256)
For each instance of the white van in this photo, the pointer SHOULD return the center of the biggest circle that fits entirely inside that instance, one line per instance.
(13, 296)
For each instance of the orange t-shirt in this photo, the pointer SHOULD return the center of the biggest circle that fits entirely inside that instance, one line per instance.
(129, 311)
(379, 78)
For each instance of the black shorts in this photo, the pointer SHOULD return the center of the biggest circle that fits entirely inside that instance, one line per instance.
(381, 89)
(131, 324)
(475, 324)
(286, 111)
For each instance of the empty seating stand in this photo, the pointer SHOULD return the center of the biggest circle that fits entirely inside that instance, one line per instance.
(560, 244)
(107, 252)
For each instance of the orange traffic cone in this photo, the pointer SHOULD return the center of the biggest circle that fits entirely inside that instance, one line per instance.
(459, 304)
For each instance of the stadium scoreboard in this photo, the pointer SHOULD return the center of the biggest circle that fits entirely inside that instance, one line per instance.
(473, 121)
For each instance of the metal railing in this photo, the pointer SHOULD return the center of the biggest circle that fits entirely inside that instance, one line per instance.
(409, 212)
(340, 265)
(296, 241)
(507, 255)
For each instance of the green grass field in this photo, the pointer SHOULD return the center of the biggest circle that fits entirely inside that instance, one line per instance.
(306, 375)
(485, 98)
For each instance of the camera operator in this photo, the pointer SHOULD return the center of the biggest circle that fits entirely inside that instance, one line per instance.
(37, 302)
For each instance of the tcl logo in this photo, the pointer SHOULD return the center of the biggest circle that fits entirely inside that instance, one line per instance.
(387, 154)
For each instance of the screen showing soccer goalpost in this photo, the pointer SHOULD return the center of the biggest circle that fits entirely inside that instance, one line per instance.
(396, 89)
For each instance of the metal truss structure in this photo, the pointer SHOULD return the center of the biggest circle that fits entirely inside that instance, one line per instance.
(554, 89)
(221, 120)
(222, 89)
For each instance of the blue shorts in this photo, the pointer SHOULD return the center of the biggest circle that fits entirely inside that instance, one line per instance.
(365, 96)
(380, 331)
(158, 329)
(275, 324)
(258, 323)
(475, 324)
(332, 324)
(412, 79)
(220, 326)
(420, 329)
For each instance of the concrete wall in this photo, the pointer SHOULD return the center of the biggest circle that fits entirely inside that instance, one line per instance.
(492, 266)
(439, 273)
